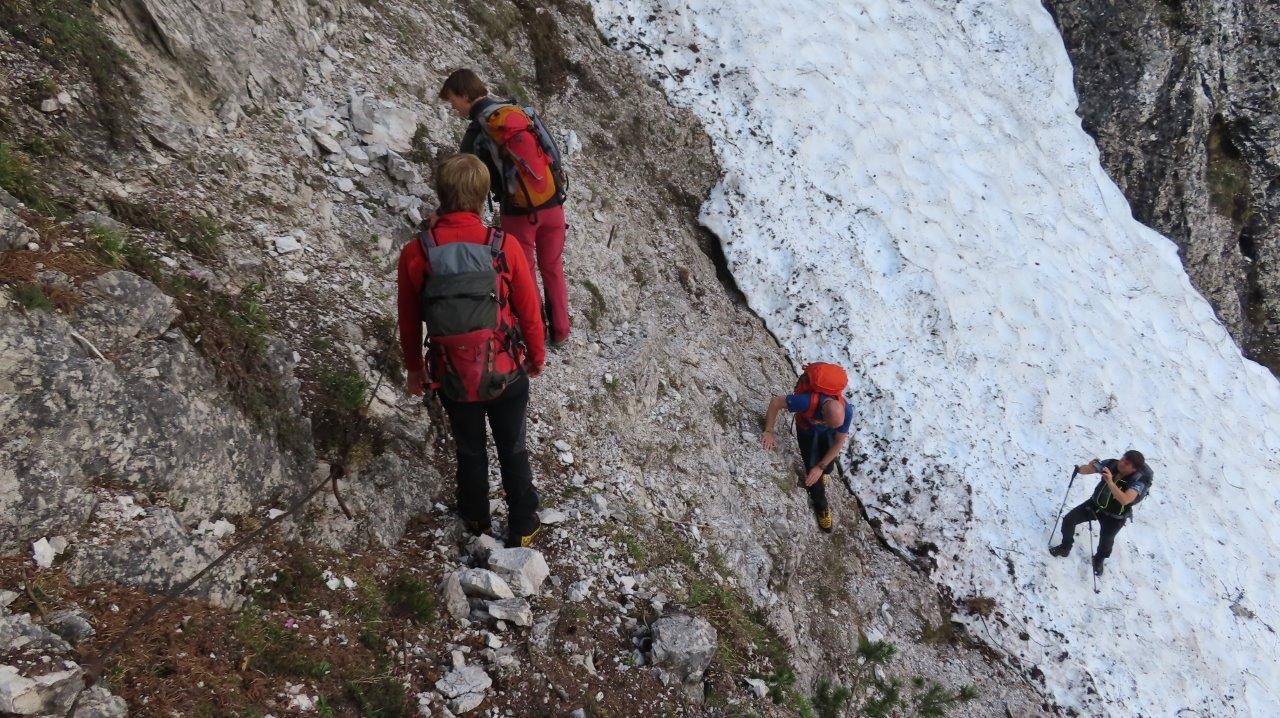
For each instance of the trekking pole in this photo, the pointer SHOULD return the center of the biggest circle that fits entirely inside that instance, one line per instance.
(1075, 470)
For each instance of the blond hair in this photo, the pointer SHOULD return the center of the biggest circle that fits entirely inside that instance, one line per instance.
(462, 183)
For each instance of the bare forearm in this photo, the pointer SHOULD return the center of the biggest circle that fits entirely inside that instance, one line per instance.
(771, 415)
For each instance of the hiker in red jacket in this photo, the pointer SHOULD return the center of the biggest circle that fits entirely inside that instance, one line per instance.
(474, 291)
(823, 418)
(527, 178)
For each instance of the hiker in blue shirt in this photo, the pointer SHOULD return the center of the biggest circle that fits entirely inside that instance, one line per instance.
(823, 418)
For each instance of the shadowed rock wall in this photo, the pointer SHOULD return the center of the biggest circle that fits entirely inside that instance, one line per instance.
(1184, 101)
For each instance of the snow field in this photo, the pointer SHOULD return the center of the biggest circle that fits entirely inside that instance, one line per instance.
(907, 190)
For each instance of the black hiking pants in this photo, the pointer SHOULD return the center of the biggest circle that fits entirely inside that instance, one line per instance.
(813, 446)
(1109, 527)
(506, 415)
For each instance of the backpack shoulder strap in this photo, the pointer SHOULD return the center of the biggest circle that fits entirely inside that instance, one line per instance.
(810, 411)
(487, 111)
(427, 242)
(427, 238)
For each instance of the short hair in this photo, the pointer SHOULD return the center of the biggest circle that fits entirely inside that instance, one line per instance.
(462, 184)
(1136, 458)
(465, 84)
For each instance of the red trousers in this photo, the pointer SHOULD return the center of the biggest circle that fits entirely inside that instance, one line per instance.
(543, 244)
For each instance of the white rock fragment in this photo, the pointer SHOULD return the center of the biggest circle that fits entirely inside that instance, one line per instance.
(128, 509)
(326, 143)
(219, 528)
(579, 590)
(479, 582)
(465, 687)
(551, 517)
(43, 553)
(523, 568)
(455, 598)
(514, 610)
(285, 243)
(600, 504)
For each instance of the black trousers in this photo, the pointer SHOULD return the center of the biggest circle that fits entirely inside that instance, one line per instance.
(1109, 525)
(813, 446)
(506, 415)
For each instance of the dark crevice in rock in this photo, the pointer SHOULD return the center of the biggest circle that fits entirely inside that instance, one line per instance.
(710, 245)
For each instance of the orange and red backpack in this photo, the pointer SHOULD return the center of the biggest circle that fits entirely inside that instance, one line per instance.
(818, 380)
(527, 156)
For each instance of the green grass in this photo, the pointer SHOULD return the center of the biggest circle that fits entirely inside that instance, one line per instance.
(410, 597)
(1227, 175)
(722, 411)
(346, 389)
(380, 697)
(297, 579)
(933, 701)
(198, 234)
(31, 296)
(203, 235)
(420, 147)
(274, 649)
(596, 311)
(69, 35)
(829, 699)
(19, 179)
(110, 243)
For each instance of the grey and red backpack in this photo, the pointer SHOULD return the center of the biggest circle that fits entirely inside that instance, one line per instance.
(474, 346)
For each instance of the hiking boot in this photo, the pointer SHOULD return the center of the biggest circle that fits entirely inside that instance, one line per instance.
(824, 520)
(1097, 566)
(524, 541)
(475, 528)
(1062, 550)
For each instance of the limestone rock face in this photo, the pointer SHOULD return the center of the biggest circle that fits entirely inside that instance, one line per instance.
(14, 233)
(236, 52)
(1184, 101)
(133, 307)
(84, 435)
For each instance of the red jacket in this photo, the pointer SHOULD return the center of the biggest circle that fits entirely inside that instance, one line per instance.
(411, 273)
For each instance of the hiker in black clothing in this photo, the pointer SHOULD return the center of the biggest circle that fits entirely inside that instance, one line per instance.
(1124, 481)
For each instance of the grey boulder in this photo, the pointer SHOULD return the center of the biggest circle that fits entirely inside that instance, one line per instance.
(683, 645)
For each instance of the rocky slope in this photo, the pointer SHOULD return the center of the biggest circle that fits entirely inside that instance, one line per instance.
(1184, 102)
(234, 272)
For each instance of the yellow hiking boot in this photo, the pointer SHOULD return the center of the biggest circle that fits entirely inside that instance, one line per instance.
(824, 520)
(523, 541)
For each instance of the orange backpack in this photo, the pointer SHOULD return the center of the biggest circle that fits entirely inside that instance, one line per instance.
(525, 153)
(820, 379)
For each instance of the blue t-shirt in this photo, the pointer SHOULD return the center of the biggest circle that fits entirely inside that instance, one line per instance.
(797, 403)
